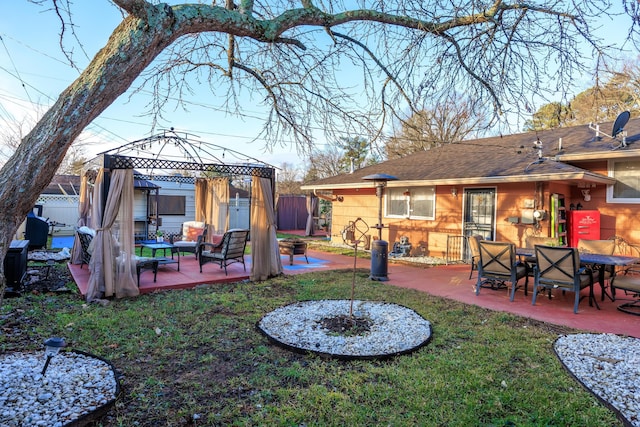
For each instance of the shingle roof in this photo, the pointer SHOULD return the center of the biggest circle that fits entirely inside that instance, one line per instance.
(511, 158)
(69, 183)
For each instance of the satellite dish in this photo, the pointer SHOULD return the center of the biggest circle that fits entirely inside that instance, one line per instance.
(621, 121)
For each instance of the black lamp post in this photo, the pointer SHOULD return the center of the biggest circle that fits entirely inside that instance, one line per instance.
(379, 247)
(380, 181)
(51, 347)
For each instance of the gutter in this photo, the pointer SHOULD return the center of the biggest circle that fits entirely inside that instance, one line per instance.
(332, 198)
(569, 176)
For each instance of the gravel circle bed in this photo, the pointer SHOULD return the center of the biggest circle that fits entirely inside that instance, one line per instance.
(76, 389)
(393, 329)
(608, 366)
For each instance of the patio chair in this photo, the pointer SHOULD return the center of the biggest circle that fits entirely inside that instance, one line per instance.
(559, 268)
(193, 233)
(625, 248)
(630, 284)
(474, 248)
(604, 247)
(229, 250)
(531, 242)
(85, 236)
(498, 265)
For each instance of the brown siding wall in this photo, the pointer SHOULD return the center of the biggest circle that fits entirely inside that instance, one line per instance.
(426, 237)
(429, 237)
(360, 203)
(616, 219)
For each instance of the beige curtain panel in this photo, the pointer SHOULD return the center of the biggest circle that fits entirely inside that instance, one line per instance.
(112, 265)
(212, 204)
(220, 207)
(312, 202)
(265, 254)
(95, 285)
(201, 204)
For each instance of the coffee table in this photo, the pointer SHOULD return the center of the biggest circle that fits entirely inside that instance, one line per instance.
(164, 246)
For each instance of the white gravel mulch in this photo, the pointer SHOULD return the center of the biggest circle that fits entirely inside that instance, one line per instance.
(394, 329)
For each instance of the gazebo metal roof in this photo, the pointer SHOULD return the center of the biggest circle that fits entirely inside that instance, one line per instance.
(170, 151)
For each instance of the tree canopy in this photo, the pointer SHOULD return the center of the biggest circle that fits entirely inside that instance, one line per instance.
(289, 54)
(620, 91)
(450, 121)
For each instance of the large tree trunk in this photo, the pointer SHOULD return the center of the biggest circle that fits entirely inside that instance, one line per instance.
(132, 47)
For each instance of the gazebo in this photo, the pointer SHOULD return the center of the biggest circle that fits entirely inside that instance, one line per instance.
(106, 204)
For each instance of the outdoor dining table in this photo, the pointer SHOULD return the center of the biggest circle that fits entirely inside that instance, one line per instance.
(590, 258)
(599, 260)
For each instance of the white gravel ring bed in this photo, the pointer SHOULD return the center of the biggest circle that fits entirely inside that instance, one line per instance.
(76, 389)
(394, 329)
(608, 366)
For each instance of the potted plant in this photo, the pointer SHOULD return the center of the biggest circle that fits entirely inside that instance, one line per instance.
(160, 236)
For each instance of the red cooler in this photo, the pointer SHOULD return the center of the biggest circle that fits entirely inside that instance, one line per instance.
(583, 225)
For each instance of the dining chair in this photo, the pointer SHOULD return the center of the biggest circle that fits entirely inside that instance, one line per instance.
(604, 247)
(530, 243)
(498, 265)
(626, 248)
(605, 272)
(474, 248)
(559, 268)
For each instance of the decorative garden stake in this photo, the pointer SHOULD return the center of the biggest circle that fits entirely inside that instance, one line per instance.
(375, 330)
(353, 234)
(51, 347)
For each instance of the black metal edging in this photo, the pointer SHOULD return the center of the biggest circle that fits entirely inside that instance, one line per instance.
(100, 411)
(615, 410)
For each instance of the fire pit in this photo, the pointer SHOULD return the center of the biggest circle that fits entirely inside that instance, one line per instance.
(293, 247)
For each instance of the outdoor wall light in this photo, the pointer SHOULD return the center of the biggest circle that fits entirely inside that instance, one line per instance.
(454, 192)
(586, 195)
(51, 347)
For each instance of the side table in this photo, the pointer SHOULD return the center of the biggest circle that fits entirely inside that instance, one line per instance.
(144, 263)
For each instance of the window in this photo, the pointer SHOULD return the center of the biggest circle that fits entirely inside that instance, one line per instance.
(171, 205)
(627, 187)
(416, 202)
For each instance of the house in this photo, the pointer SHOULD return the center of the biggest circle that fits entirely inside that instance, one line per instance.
(503, 187)
(58, 203)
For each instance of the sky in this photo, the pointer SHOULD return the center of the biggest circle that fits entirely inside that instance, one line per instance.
(33, 72)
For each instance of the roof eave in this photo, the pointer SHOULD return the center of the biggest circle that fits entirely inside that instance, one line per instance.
(598, 155)
(484, 180)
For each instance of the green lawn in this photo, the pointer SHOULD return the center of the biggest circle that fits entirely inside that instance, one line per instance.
(194, 357)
